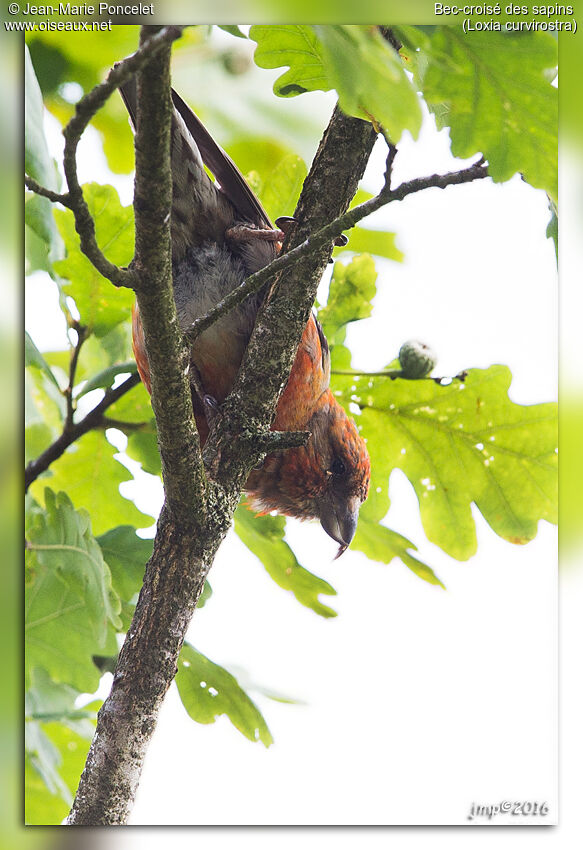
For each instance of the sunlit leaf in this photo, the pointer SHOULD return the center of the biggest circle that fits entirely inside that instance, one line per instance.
(57, 737)
(134, 406)
(37, 161)
(463, 443)
(143, 447)
(499, 100)
(60, 540)
(263, 535)
(363, 241)
(101, 306)
(382, 544)
(370, 79)
(54, 702)
(283, 186)
(33, 357)
(364, 69)
(105, 378)
(126, 555)
(207, 691)
(91, 476)
(60, 635)
(352, 288)
(296, 46)
(232, 29)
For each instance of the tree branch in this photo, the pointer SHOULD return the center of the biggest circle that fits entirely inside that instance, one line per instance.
(74, 431)
(332, 230)
(185, 544)
(85, 109)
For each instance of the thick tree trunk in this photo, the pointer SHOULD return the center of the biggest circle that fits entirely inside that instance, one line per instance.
(198, 512)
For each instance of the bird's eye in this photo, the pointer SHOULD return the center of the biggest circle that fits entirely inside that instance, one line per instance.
(337, 467)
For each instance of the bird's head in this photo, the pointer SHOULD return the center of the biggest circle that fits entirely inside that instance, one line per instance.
(327, 479)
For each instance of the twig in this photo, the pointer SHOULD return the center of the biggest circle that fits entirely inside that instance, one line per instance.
(186, 537)
(55, 197)
(81, 337)
(85, 109)
(94, 419)
(329, 232)
(398, 373)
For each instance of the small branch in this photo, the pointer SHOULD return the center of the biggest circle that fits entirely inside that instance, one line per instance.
(169, 357)
(278, 441)
(55, 197)
(85, 109)
(122, 425)
(94, 419)
(186, 537)
(329, 232)
(81, 337)
(355, 373)
(398, 373)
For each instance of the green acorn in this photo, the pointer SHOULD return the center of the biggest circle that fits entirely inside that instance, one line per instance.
(417, 359)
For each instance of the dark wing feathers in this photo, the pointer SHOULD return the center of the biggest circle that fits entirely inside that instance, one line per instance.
(229, 177)
(230, 180)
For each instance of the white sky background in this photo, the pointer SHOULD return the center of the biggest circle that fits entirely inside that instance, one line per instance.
(419, 702)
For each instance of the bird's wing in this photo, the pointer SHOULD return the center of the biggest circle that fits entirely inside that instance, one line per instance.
(200, 211)
(229, 177)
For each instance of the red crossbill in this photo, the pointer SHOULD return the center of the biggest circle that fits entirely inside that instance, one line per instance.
(220, 236)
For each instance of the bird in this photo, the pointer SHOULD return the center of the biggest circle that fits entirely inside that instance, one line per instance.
(220, 235)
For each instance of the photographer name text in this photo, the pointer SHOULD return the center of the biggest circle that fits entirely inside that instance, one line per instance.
(88, 10)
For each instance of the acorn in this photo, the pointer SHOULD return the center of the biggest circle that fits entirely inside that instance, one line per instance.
(417, 359)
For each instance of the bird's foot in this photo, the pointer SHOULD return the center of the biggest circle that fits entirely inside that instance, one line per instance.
(242, 233)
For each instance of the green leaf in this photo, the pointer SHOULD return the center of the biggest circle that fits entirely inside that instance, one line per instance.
(143, 447)
(52, 702)
(382, 544)
(59, 632)
(33, 357)
(42, 777)
(296, 46)
(363, 241)
(37, 160)
(355, 60)
(553, 228)
(283, 187)
(55, 758)
(99, 353)
(206, 594)
(91, 476)
(42, 235)
(133, 407)
(499, 100)
(105, 378)
(60, 539)
(458, 444)
(207, 690)
(126, 555)
(370, 79)
(101, 306)
(44, 410)
(352, 288)
(233, 29)
(43, 243)
(263, 535)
